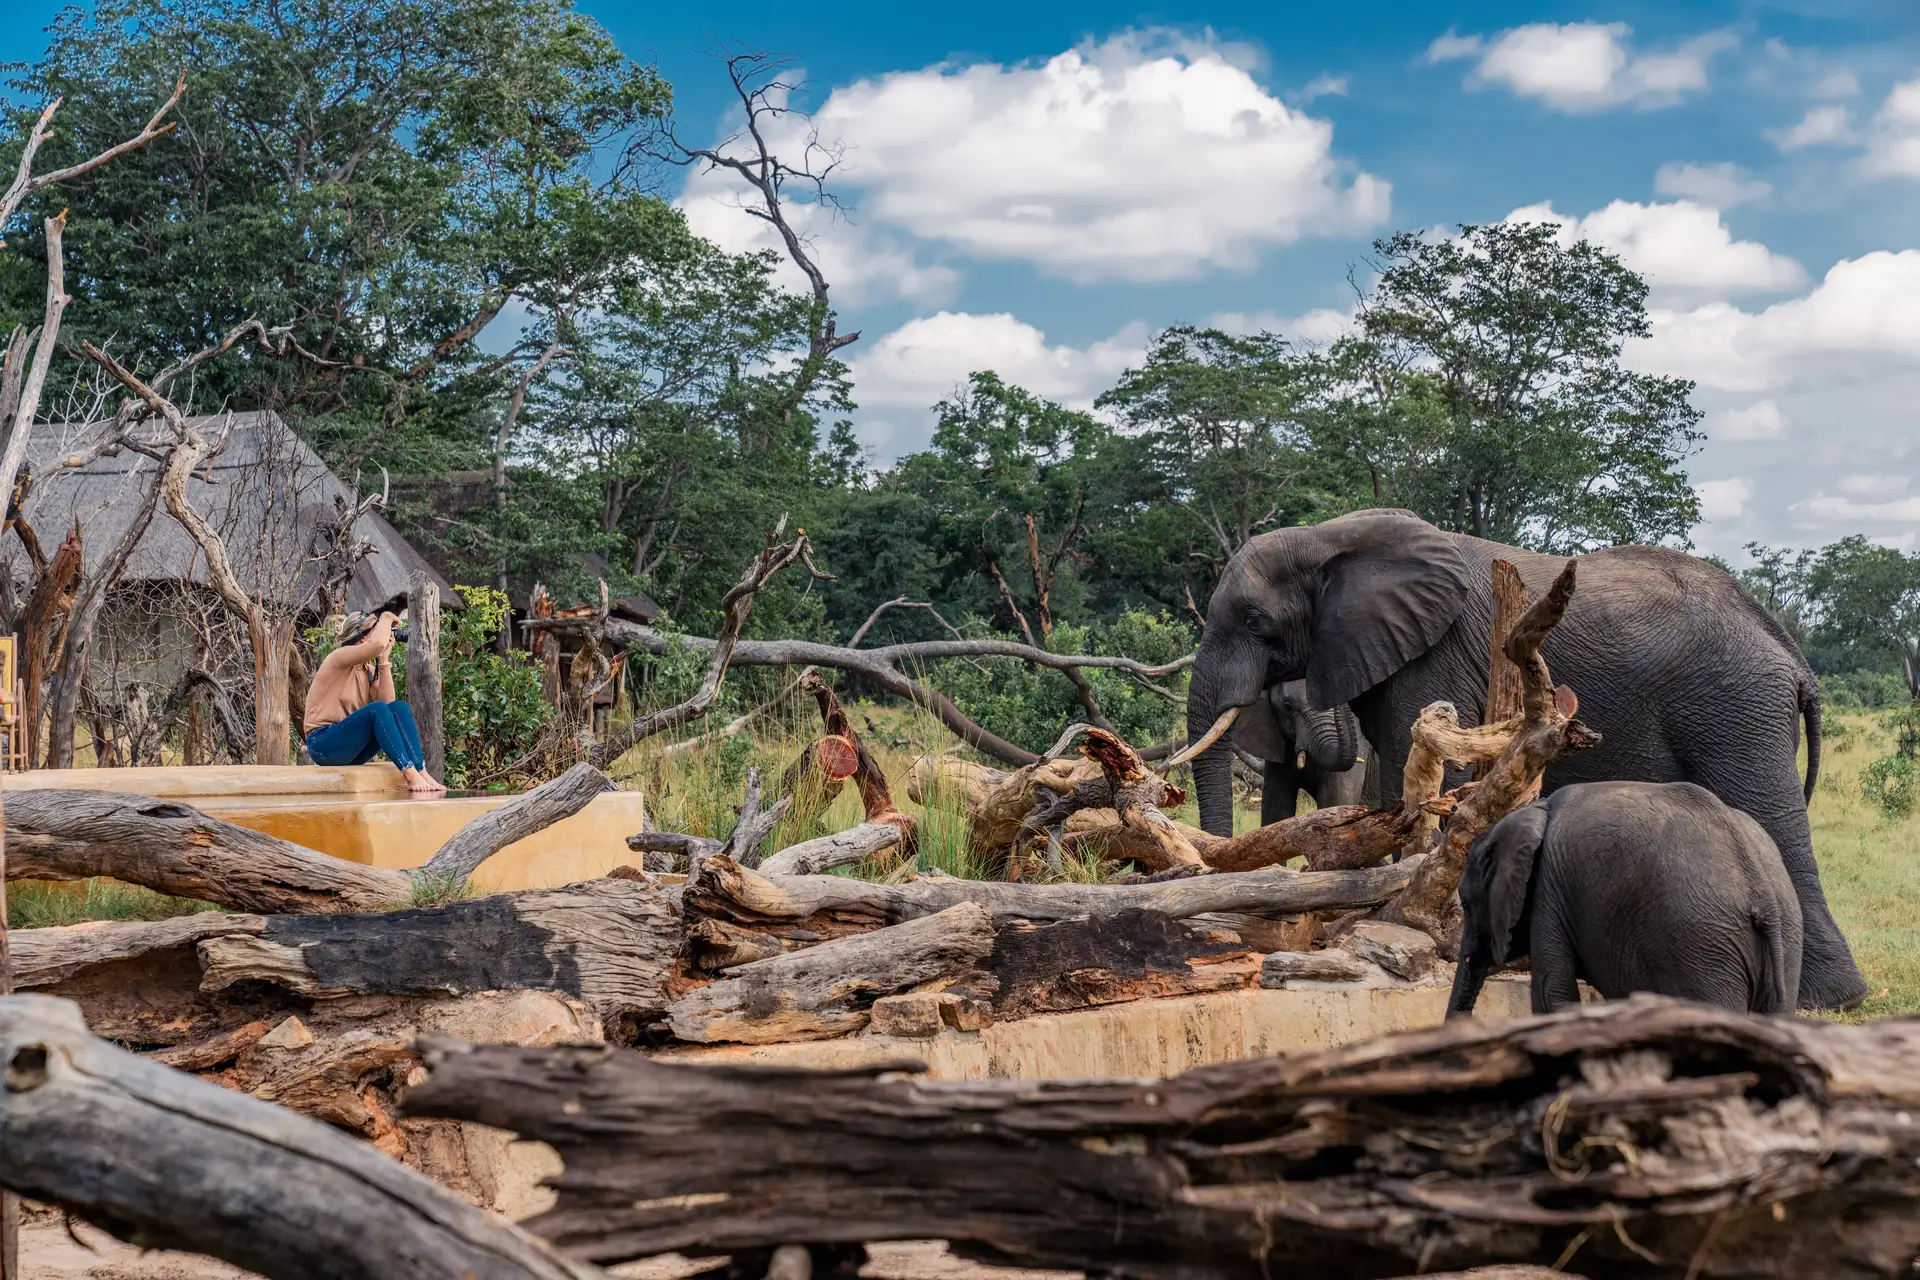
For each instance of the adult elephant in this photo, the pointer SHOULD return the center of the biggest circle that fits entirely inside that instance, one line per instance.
(1322, 753)
(1687, 678)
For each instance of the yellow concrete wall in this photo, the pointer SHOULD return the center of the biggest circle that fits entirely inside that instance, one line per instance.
(1144, 1037)
(405, 833)
(207, 781)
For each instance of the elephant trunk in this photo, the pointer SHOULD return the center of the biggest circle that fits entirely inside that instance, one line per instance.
(1224, 675)
(1332, 740)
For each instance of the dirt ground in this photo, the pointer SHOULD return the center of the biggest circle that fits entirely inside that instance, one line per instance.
(48, 1252)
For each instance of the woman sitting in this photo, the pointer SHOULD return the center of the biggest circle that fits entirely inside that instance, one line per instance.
(352, 712)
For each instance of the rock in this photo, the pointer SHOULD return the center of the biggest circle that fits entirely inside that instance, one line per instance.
(289, 1034)
(921, 1015)
(1282, 967)
(1403, 952)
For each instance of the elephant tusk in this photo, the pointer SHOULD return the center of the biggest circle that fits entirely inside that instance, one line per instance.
(1211, 736)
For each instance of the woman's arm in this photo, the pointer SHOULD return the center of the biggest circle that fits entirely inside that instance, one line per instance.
(382, 639)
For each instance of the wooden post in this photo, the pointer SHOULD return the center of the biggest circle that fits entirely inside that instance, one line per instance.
(1503, 678)
(9, 1202)
(423, 669)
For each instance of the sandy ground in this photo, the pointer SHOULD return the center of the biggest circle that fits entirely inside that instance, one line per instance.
(48, 1252)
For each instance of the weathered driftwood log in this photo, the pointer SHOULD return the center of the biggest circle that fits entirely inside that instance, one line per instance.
(176, 849)
(1136, 794)
(1437, 739)
(42, 957)
(1337, 838)
(675, 844)
(827, 990)
(1505, 693)
(835, 905)
(518, 818)
(167, 1161)
(841, 849)
(1638, 1138)
(1547, 732)
(610, 942)
(1130, 955)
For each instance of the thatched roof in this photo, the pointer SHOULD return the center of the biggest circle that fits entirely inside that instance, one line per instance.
(265, 491)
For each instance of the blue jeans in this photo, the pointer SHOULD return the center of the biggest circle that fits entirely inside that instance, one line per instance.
(385, 727)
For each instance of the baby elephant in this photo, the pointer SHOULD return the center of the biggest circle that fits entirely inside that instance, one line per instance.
(1633, 886)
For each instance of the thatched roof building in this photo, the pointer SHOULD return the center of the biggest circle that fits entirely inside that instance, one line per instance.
(270, 496)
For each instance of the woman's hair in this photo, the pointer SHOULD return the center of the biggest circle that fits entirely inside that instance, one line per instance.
(355, 627)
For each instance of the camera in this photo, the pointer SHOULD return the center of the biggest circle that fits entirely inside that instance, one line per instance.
(400, 634)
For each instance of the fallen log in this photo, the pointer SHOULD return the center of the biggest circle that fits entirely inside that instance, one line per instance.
(827, 990)
(841, 849)
(518, 818)
(1340, 837)
(43, 957)
(176, 849)
(839, 905)
(1645, 1137)
(166, 1161)
(1130, 955)
(611, 943)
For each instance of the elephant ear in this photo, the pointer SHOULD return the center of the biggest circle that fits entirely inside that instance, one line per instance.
(1391, 585)
(1499, 874)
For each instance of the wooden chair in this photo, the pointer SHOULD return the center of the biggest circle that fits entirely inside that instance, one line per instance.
(13, 738)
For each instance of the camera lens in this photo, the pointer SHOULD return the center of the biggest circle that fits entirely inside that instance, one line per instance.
(400, 634)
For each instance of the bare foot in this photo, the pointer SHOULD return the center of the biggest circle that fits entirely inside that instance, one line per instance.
(422, 783)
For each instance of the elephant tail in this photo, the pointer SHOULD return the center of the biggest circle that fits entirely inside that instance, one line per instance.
(1810, 710)
(1778, 988)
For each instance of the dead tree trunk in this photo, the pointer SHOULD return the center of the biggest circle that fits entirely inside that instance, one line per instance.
(1645, 1138)
(149, 1154)
(1504, 691)
(45, 625)
(1547, 731)
(515, 820)
(423, 670)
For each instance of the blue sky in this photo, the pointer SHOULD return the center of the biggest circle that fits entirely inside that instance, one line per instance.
(1036, 187)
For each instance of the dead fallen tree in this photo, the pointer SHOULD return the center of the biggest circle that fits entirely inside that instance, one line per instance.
(724, 890)
(886, 666)
(176, 849)
(150, 1155)
(1646, 1137)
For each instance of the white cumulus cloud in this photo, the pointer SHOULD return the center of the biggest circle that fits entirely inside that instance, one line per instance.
(1583, 66)
(1683, 249)
(1718, 186)
(1862, 320)
(1135, 158)
(1723, 499)
(899, 378)
(1761, 420)
(1821, 127)
(1893, 145)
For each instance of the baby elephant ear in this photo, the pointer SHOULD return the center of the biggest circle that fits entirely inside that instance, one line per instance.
(1499, 874)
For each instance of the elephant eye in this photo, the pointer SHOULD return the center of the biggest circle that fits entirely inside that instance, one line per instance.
(1255, 618)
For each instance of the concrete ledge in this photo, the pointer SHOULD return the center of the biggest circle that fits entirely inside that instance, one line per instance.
(1146, 1037)
(405, 833)
(214, 781)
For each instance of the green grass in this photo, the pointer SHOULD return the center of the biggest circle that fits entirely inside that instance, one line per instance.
(36, 905)
(1870, 866)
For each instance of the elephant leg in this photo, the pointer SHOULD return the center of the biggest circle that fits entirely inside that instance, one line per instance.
(1469, 976)
(1829, 979)
(1279, 791)
(1556, 976)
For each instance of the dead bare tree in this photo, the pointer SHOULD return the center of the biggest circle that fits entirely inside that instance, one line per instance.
(752, 155)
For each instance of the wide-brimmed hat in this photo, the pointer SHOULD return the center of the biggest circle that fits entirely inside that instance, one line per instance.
(353, 625)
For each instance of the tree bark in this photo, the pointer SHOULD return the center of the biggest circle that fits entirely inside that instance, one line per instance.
(1644, 1137)
(841, 849)
(174, 848)
(725, 890)
(1504, 690)
(517, 819)
(611, 943)
(1341, 837)
(827, 990)
(272, 660)
(9, 1202)
(150, 1155)
(49, 956)
(44, 622)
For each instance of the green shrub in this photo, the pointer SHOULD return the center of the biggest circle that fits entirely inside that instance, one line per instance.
(491, 705)
(1893, 783)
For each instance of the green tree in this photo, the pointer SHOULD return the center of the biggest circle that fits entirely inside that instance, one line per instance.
(1485, 388)
(1866, 604)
